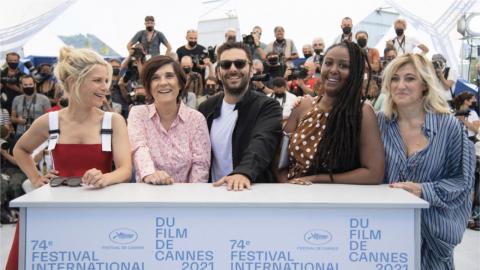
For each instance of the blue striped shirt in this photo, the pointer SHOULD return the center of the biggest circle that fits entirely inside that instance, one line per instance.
(445, 170)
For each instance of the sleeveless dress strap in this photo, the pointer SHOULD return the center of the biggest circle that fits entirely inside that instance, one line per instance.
(53, 131)
(106, 132)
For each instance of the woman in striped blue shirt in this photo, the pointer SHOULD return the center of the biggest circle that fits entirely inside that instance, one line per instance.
(427, 153)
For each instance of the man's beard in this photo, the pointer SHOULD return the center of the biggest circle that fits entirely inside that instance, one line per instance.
(236, 90)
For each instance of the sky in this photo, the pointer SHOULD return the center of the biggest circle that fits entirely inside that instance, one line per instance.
(115, 22)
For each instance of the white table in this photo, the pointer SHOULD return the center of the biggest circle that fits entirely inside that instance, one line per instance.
(199, 227)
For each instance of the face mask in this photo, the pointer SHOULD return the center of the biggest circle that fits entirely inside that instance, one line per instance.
(149, 28)
(187, 69)
(231, 39)
(318, 51)
(473, 106)
(362, 42)
(140, 99)
(12, 65)
(346, 30)
(308, 55)
(63, 102)
(273, 61)
(399, 32)
(116, 71)
(192, 43)
(210, 89)
(46, 76)
(28, 91)
(282, 95)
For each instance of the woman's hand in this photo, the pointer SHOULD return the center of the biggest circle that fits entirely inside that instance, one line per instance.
(45, 179)
(414, 188)
(158, 178)
(94, 178)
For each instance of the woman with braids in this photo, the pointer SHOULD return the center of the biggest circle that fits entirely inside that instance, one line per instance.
(335, 136)
(427, 153)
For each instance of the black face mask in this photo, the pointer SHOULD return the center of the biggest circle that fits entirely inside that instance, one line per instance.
(149, 28)
(399, 32)
(45, 76)
(187, 69)
(116, 71)
(473, 106)
(12, 65)
(362, 42)
(192, 43)
(231, 39)
(63, 102)
(209, 89)
(140, 99)
(347, 30)
(28, 91)
(273, 61)
(318, 51)
(282, 95)
(308, 55)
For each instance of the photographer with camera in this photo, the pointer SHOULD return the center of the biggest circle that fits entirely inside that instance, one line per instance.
(199, 54)
(445, 75)
(465, 104)
(273, 67)
(194, 84)
(255, 46)
(119, 94)
(260, 78)
(46, 84)
(10, 79)
(150, 39)
(29, 106)
(284, 48)
(301, 79)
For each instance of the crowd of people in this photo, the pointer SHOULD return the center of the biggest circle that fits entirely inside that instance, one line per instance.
(219, 115)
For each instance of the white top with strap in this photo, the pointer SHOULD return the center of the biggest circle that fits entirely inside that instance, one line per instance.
(54, 131)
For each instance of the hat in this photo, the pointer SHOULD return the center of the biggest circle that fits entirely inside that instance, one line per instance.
(149, 18)
(438, 57)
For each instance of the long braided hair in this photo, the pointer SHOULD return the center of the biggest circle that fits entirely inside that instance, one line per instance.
(338, 151)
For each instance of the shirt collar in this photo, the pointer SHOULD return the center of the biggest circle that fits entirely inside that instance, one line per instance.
(430, 126)
(182, 111)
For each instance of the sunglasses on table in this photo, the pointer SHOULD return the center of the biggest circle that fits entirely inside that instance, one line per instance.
(239, 63)
(66, 181)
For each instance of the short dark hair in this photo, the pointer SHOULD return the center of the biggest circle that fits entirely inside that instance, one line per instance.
(234, 45)
(149, 18)
(387, 49)
(279, 82)
(361, 32)
(13, 53)
(156, 62)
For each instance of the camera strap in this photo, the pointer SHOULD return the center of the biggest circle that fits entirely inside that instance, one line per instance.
(30, 113)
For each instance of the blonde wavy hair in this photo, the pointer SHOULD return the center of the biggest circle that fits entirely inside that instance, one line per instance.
(78, 63)
(432, 101)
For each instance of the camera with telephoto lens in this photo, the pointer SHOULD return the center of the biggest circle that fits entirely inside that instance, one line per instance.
(211, 54)
(260, 77)
(197, 61)
(249, 40)
(137, 52)
(298, 73)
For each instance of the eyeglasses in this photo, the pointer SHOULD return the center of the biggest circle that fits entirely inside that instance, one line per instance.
(66, 181)
(239, 63)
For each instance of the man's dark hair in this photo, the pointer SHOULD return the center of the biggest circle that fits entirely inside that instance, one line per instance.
(234, 45)
(149, 18)
(361, 32)
(338, 151)
(388, 49)
(155, 63)
(279, 82)
(12, 53)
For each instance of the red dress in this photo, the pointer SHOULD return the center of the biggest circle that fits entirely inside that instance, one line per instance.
(69, 160)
